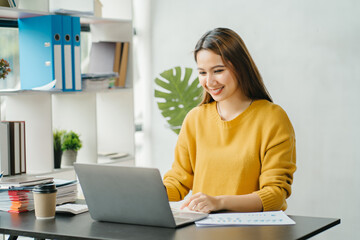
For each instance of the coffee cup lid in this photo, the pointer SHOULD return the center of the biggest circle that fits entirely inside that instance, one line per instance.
(45, 188)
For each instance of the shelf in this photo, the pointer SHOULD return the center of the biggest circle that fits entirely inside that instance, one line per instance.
(12, 92)
(97, 20)
(117, 89)
(15, 13)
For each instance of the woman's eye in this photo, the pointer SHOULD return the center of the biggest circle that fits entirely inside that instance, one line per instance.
(202, 73)
(219, 70)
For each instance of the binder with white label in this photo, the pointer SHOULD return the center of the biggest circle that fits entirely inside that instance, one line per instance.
(76, 54)
(67, 53)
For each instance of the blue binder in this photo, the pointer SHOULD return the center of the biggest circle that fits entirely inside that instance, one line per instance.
(67, 54)
(76, 54)
(40, 51)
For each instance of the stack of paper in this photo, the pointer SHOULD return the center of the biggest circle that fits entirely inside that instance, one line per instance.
(72, 208)
(20, 199)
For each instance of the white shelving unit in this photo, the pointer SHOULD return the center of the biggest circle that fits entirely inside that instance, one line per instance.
(104, 119)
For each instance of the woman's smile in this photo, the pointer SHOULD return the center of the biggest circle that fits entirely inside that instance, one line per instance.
(215, 91)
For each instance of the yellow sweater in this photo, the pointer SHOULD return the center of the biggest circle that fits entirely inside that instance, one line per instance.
(255, 152)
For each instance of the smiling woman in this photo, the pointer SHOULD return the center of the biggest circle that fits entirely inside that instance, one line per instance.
(221, 84)
(236, 150)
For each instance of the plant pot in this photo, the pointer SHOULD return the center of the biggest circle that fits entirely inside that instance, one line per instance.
(68, 158)
(57, 158)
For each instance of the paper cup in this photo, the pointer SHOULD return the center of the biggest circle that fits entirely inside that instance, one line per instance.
(45, 201)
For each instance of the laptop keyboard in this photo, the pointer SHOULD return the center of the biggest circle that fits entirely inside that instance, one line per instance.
(181, 217)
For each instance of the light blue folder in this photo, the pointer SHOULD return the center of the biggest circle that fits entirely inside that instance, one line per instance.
(67, 53)
(40, 51)
(76, 54)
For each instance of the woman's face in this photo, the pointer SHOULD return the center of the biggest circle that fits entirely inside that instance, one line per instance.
(215, 77)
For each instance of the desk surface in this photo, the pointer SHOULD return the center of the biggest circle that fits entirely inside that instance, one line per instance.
(81, 226)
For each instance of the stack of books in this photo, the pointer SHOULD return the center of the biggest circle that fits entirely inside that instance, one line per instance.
(16, 193)
(97, 81)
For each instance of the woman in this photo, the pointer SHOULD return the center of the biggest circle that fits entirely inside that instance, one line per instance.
(236, 150)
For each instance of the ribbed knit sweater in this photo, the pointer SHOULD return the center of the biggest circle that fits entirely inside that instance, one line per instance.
(253, 153)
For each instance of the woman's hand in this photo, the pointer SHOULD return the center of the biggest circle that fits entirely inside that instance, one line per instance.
(201, 202)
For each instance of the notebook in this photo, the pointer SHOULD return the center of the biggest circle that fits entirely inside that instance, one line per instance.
(130, 195)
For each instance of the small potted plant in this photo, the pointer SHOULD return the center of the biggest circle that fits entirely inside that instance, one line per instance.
(71, 143)
(58, 134)
(4, 68)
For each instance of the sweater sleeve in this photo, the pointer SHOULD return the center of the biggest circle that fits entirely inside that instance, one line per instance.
(278, 164)
(179, 179)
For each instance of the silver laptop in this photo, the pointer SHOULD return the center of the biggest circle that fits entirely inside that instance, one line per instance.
(131, 195)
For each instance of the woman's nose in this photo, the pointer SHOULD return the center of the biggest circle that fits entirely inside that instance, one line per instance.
(210, 81)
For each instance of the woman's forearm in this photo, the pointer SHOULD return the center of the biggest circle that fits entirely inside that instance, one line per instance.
(240, 203)
(237, 203)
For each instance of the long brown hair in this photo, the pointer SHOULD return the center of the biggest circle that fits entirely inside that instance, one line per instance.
(229, 45)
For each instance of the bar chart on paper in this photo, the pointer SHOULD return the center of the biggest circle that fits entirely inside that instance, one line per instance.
(254, 218)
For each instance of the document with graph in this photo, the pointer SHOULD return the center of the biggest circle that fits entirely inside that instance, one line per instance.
(253, 218)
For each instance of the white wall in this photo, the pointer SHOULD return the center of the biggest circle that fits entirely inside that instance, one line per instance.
(308, 53)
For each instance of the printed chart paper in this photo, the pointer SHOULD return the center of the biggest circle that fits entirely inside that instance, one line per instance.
(254, 218)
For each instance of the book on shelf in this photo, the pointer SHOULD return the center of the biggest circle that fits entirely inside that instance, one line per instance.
(121, 80)
(13, 147)
(102, 57)
(22, 147)
(5, 148)
(9, 3)
(118, 48)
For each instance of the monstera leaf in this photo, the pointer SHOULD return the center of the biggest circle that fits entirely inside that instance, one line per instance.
(179, 97)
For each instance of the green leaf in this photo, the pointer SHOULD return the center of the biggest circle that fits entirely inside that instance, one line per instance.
(178, 96)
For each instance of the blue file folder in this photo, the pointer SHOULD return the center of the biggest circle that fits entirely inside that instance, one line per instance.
(76, 54)
(67, 53)
(40, 51)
